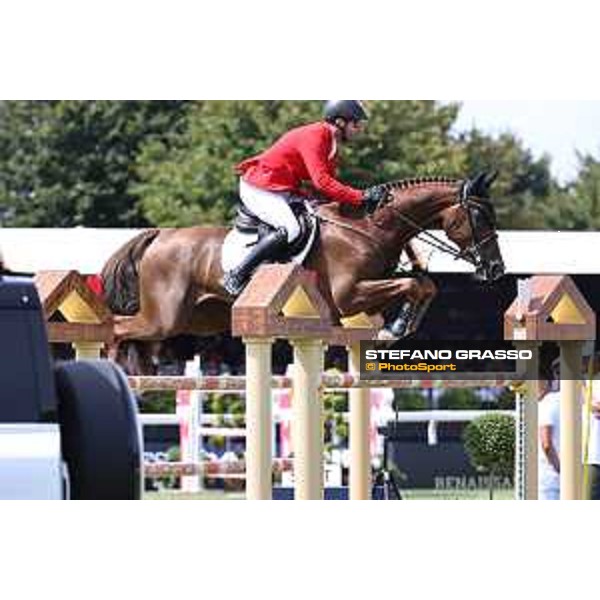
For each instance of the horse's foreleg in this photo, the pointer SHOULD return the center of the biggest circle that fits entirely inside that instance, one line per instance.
(112, 351)
(133, 347)
(211, 316)
(373, 297)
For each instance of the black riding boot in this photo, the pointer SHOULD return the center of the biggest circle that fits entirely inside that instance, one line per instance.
(235, 280)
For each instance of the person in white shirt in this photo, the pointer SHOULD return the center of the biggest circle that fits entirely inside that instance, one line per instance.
(549, 444)
(549, 438)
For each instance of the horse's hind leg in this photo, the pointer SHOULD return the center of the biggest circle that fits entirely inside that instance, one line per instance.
(210, 316)
(165, 306)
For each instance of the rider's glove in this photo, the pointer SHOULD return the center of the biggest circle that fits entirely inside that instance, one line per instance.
(372, 197)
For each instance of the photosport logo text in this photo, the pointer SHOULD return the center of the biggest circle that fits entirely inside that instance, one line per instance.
(440, 360)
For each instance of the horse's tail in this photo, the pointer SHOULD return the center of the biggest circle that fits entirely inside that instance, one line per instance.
(120, 276)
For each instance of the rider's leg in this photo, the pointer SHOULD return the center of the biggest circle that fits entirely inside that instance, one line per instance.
(235, 280)
(273, 209)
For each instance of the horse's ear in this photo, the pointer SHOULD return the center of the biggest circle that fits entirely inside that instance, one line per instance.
(490, 178)
(477, 184)
(480, 185)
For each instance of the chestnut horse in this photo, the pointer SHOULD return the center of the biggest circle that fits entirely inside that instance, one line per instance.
(167, 282)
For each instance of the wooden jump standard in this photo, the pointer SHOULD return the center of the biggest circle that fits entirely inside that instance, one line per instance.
(551, 308)
(282, 301)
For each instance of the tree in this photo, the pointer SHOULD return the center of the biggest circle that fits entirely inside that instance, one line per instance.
(587, 187)
(66, 163)
(459, 399)
(404, 139)
(524, 185)
(193, 181)
(578, 206)
(137, 163)
(409, 400)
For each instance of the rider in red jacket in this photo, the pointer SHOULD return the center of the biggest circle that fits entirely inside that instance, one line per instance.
(307, 153)
(272, 179)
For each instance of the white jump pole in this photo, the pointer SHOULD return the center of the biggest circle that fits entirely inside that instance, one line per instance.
(571, 464)
(360, 413)
(259, 445)
(307, 425)
(189, 410)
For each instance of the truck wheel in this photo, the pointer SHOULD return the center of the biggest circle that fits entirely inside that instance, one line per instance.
(100, 433)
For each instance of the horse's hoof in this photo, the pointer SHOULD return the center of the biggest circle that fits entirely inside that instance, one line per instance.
(385, 335)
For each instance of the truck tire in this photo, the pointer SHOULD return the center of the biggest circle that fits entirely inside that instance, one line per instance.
(100, 432)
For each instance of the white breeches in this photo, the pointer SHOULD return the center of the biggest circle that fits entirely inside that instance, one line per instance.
(271, 207)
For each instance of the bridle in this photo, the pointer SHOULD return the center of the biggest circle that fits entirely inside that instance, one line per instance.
(472, 207)
(472, 253)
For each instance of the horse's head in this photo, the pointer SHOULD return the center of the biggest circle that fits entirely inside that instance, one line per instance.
(470, 222)
(462, 208)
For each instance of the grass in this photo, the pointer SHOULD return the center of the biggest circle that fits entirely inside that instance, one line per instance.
(408, 494)
(457, 494)
(205, 495)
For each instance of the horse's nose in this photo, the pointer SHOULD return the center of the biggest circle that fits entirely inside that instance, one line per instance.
(496, 270)
(480, 275)
(490, 272)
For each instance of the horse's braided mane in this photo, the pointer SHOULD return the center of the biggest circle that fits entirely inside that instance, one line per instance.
(404, 184)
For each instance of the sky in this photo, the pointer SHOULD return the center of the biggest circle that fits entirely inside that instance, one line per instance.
(557, 128)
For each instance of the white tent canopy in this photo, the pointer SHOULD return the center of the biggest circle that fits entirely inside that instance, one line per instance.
(539, 252)
(79, 249)
(86, 250)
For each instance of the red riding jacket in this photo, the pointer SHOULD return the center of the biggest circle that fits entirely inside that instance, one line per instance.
(306, 153)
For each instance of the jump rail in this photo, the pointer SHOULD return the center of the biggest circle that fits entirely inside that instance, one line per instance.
(343, 381)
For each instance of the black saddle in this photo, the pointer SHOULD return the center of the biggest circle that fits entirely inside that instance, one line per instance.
(247, 222)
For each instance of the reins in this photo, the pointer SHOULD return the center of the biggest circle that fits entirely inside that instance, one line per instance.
(471, 254)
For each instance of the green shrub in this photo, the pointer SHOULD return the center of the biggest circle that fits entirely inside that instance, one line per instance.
(335, 404)
(157, 402)
(174, 454)
(490, 444)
